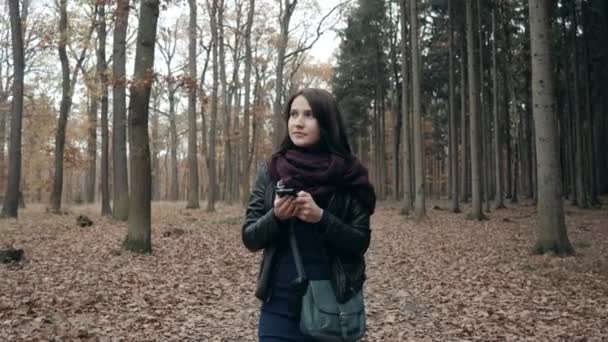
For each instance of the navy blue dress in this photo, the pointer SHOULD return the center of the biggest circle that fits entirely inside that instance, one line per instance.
(275, 323)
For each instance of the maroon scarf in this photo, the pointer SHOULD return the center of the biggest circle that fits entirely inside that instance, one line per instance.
(321, 174)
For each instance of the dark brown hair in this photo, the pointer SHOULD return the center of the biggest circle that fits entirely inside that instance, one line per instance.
(331, 125)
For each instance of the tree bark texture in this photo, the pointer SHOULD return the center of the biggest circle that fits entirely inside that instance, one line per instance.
(552, 234)
(119, 114)
(10, 207)
(472, 45)
(419, 203)
(139, 232)
(192, 127)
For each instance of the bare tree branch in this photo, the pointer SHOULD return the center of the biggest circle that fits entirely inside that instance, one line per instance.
(319, 33)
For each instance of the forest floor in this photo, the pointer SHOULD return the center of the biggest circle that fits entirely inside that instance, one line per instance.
(446, 279)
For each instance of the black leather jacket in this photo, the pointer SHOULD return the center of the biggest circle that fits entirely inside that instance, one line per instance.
(346, 234)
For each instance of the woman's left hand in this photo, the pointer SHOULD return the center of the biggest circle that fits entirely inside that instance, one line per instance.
(308, 210)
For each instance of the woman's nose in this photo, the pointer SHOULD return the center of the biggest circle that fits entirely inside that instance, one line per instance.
(298, 121)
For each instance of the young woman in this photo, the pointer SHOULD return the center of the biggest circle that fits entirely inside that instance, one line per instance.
(330, 209)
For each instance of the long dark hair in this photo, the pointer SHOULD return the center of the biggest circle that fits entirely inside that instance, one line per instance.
(331, 125)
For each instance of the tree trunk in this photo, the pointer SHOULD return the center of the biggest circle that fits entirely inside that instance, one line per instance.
(507, 85)
(3, 115)
(579, 165)
(66, 103)
(92, 150)
(464, 137)
(234, 103)
(154, 148)
(102, 71)
(139, 232)
(476, 210)
(257, 100)
(562, 128)
(224, 104)
(286, 10)
(166, 174)
(396, 117)
(527, 158)
(63, 110)
(453, 160)
(211, 164)
(589, 114)
(119, 134)
(245, 178)
(516, 154)
(173, 180)
(499, 203)
(533, 161)
(571, 142)
(406, 205)
(602, 140)
(483, 119)
(11, 199)
(192, 127)
(384, 164)
(552, 233)
(203, 104)
(235, 174)
(106, 209)
(419, 203)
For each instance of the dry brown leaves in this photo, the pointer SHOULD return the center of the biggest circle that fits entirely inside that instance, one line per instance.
(445, 279)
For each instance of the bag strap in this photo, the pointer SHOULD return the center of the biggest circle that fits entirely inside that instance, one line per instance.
(295, 250)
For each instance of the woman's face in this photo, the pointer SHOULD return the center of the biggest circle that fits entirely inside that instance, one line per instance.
(302, 125)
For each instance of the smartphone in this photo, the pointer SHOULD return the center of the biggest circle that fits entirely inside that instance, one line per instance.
(285, 192)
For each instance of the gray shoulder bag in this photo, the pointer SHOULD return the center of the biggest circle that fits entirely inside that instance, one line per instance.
(321, 315)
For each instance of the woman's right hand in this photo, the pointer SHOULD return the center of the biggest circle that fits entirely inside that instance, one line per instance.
(284, 207)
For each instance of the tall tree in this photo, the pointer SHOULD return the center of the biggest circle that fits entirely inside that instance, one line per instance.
(499, 203)
(579, 164)
(102, 70)
(11, 201)
(246, 105)
(361, 78)
(66, 100)
(455, 207)
(154, 143)
(235, 94)
(286, 9)
(474, 99)
(591, 121)
(119, 113)
(224, 104)
(395, 104)
(482, 118)
(464, 124)
(204, 105)
(139, 232)
(508, 96)
(211, 158)
(570, 132)
(527, 155)
(406, 205)
(419, 202)
(192, 74)
(91, 176)
(552, 233)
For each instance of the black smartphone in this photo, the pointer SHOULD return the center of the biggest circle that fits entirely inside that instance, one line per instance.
(285, 192)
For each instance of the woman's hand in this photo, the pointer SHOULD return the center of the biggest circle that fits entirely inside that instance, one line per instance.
(284, 207)
(307, 209)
